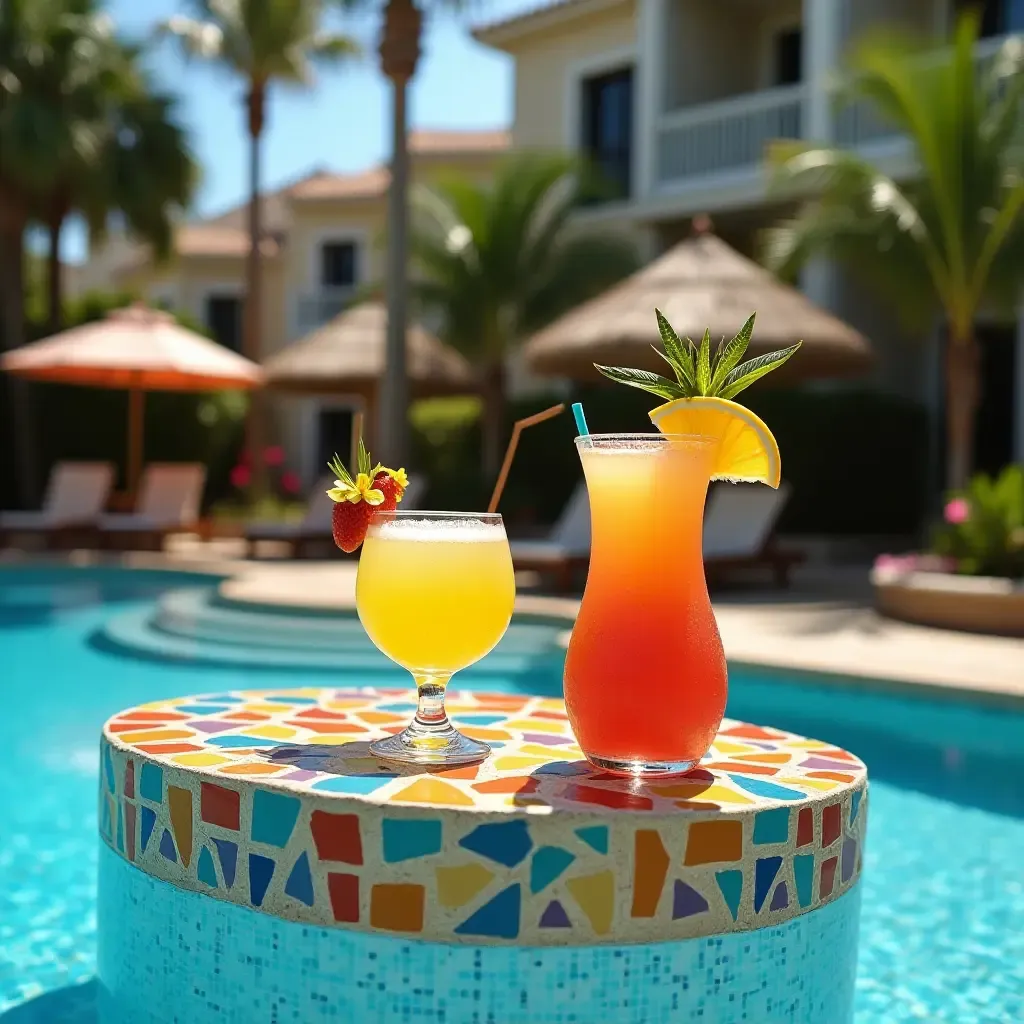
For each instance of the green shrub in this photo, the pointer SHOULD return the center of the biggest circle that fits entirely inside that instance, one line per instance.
(984, 526)
(857, 460)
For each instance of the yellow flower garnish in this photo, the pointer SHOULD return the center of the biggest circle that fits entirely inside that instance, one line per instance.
(399, 476)
(361, 489)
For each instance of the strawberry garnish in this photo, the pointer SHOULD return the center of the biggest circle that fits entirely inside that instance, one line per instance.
(357, 497)
(392, 482)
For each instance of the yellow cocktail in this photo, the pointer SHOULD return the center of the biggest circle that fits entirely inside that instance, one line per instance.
(434, 592)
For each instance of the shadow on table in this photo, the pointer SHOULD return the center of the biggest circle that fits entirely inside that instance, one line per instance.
(75, 1004)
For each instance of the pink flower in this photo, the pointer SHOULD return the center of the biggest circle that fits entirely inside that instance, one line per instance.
(240, 476)
(957, 511)
(290, 482)
(274, 455)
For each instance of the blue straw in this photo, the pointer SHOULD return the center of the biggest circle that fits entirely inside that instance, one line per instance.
(581, 420)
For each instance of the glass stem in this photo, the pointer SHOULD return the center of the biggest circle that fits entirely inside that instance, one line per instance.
(430, 712)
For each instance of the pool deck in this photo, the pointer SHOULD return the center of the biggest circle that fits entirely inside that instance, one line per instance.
(824, 624)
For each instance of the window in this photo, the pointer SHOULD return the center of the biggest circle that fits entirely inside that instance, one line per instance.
(789, 46)
(337, 264)
(608, 127)
(333, 435)
(998, 17)
(224, 320)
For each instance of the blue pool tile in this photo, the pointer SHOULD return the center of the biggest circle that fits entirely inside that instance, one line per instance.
(273, 817)
(595, 836)
(498, 918)
(855, 806)
(108, 768)
(167, 846)
(406, 840)
(300, 882)
(686, 901)
(290, 700)
(769, 790)
(803, 875)
(765, 871)
(472, 718)
(105, 823)
(148, 816)
(771, 826)
(507, 842)
(151, 782)
(554, 916)
(547, 864)
(261, 871)
(120, 828)
(228, 853)
(223, 698)
(203, 709)
(241, 741)
(360, 784)
(730, 884)
(206, 872)
(402, 706)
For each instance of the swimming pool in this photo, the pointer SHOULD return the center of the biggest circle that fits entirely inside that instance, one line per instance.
(943, 884)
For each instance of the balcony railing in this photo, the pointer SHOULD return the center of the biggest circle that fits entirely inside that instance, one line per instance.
(728, 134)
(315, 308)
(860, 123)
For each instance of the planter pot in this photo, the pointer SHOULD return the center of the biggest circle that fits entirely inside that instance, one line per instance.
(979, 604)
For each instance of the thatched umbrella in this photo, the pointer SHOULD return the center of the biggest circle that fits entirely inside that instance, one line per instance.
(699, 283)
(138, 349)
(346, 356)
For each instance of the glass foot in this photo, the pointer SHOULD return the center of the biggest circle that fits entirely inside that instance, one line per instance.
(431, 747)
(642, 769)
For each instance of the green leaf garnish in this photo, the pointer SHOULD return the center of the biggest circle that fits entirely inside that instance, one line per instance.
(643, 379)
(698, 370)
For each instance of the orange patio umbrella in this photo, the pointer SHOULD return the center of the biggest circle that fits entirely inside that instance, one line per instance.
(138, 349)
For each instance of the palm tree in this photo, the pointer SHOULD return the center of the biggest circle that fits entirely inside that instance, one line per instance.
(74, 135)
(399, 55)
(497, 262)
(139, 164)
(262, 42)
(949, 241)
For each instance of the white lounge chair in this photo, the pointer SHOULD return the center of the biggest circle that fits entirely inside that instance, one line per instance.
(567, 547)
(315, 526)
(739, 524)
(169, 498)
(75, 496)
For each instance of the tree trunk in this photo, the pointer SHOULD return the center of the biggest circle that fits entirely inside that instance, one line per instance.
(962, 394)
(399, 53)
(12, 335)
(54, 274)
(251, 315)
(493, 418)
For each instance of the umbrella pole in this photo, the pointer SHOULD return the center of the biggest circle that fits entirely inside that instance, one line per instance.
(136, 415)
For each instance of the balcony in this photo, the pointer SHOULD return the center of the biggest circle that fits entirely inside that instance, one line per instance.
(314, 309)
(726, 136)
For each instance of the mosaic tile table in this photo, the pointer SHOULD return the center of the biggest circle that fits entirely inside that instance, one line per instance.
(259, 865)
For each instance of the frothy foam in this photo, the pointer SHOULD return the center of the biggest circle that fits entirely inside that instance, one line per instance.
(449, 530)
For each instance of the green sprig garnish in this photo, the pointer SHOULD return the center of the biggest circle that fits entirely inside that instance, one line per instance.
(698, 370)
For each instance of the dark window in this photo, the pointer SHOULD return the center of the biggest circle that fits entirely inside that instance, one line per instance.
(224, 320)
(998, 17)
(608, 128)
(334, 435)
(993, 440)
(337, 264)
(789, 46)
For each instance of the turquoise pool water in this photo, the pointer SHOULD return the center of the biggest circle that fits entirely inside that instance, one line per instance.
(942, 933)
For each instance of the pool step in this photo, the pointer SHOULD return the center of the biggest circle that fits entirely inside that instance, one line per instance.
(194, 625)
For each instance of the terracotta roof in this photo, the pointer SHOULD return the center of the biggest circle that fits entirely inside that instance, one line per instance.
(274, 211)
(362, 185)
(374, 182)
(215, 239)
(535, 19)
(491, 141)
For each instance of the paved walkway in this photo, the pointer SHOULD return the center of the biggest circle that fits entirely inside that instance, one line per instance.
(824, 624)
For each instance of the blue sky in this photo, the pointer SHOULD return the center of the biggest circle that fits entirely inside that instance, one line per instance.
(341, 124)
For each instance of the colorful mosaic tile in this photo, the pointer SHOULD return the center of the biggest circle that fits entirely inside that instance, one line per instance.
(279, 809)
